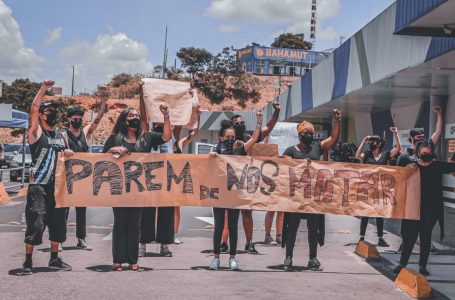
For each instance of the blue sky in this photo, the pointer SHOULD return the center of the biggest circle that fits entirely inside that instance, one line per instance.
(104, 37)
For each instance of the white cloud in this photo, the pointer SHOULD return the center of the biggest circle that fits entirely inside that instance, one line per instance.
(53, 35)
(111, 54)
(16, 61)
(228, 28)
(295, 15)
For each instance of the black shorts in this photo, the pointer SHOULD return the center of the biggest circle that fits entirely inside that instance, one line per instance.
(40, 212)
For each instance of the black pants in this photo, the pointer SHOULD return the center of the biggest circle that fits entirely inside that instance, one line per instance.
(233, 224)
(410, 230)
(379, 225)
(125, 235)
(81, 219)
(163, 232)
(312, 224)
(40, 212)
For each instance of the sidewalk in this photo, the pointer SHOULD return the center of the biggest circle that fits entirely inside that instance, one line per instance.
(186, 274)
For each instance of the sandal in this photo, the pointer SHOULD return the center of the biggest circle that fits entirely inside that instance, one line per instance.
(134, 267)
(117, 267)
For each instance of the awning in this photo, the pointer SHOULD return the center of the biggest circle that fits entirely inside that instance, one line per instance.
(19, 120)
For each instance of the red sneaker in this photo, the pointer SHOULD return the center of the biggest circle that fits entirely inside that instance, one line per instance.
(117, 267)
(134, 267)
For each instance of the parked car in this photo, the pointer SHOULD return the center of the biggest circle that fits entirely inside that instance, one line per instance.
(16, 162)
(96, 149)
(204, 148)
(9, 151)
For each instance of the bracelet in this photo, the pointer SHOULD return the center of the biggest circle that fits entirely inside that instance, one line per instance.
(258, 125)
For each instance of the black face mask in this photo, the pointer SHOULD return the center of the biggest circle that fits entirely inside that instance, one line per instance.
(52, 118)
(373, 147)
(427, 157)
(227, 146)
(306, 139)
(239, 129)
(134, 123)
(77, 124)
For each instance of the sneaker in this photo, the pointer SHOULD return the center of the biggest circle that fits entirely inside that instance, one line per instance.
(382, 243)
(82, 244)
(314, 264)
(424, 271)
(58, 264)
(398, 269)
(278, 239)
(433, 249)
(233, 264)
(287, 265)
(142, 250)
(215, 264)
(176, 240)
(269, 240)
(60, 247)
(165, 251)
(249, 247)
(224, 248)
(26, 269)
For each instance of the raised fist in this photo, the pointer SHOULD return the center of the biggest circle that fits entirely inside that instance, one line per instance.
(164, 109)
(48, 83)
(276, 105)
(393, 129)
(337, 114)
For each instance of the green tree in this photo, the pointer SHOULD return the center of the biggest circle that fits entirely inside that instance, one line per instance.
(121, 79)
(292, 41)
(194, 60)
(20, 93)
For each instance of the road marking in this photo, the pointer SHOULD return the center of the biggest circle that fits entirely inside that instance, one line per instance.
(108, 237)
(209, 220)
(12, 203)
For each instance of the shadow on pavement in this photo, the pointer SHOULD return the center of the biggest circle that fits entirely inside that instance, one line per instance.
(70, 248)
(17, 272)
(238, 252)
(294, 268)
(108, 268)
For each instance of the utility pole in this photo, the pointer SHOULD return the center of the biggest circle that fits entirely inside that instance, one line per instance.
(72, 83)
(165, 54)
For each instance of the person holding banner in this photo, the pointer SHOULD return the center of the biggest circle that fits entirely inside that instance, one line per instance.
(375, 156)
(431, 206)
(78, 141)
(179, 145)
(240, 128)
(310, 150)
(46, 141)
(229, 146)
(130, 134)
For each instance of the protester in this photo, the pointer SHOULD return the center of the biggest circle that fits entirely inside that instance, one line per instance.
(344, 152)
(240, 128)
(431, 206)
(311, 150)
(46, 141)
(130, 134)
(179, 145)
(376, 156)
(229, 146)
(157, 224)
(78, 141)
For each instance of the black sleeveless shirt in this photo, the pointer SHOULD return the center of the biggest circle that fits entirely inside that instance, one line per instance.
(77, 143)
(44, 156)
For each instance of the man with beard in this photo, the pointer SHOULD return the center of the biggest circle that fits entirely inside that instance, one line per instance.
(78, 140)
(311, 150)
(240, 135)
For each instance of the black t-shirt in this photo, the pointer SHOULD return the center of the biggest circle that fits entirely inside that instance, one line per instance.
(237, 151)
(144, 144)
(77, 143)
(314, 153)
(409, 157)
(431, 186)
(370, 159)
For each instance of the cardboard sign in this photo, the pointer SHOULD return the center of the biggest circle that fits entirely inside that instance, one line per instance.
(258, 183)
(173, 93)
(451, 146)
(269, 150)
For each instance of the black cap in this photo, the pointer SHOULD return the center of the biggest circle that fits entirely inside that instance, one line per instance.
(75, 111)
(416, 131)
(47, 104)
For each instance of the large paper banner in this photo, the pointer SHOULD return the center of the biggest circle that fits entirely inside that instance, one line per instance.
(173, 93)
(259, 183)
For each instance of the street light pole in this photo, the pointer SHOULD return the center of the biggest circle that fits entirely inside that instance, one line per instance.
(72, 83)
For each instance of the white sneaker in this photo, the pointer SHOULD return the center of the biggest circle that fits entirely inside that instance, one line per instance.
(176, 240)
(215, 264)
(233, 264)
(142, 250)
